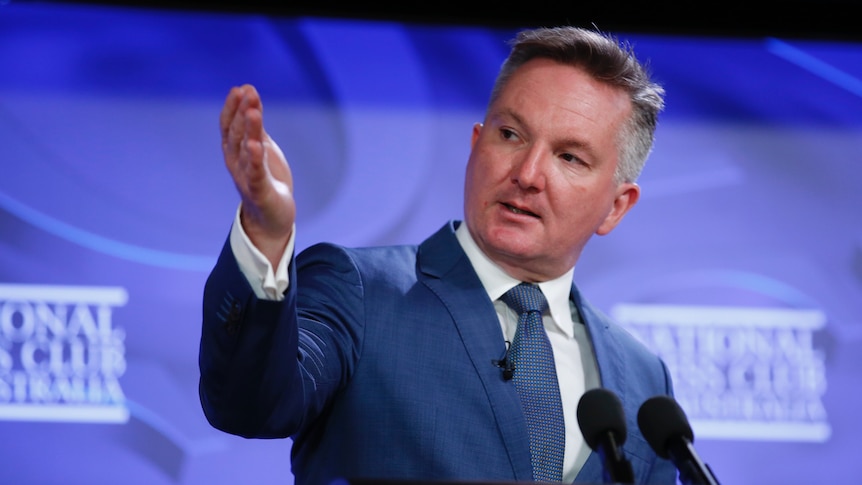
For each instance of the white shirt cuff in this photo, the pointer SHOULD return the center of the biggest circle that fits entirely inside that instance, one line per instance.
(267, 284)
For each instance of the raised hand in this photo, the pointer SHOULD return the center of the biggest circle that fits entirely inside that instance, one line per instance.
(260, 172)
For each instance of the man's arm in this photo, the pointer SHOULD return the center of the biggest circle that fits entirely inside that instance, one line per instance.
(247, 340)
(269, 367)
(247, 356)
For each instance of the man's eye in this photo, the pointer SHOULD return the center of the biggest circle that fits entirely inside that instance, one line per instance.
(568, 157)
(507, 134)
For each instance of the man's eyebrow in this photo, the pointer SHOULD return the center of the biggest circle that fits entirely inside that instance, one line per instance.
(508, 112)
(575, 143)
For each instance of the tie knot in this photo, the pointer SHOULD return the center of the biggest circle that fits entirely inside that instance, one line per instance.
(524, 298)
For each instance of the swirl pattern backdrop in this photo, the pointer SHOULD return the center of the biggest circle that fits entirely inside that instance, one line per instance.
(741, 265)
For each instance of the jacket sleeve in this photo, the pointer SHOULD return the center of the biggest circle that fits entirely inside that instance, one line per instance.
(268, 367)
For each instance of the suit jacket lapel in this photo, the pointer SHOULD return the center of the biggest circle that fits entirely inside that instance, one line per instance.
(611, 366)
(448, 273)
(612, 375)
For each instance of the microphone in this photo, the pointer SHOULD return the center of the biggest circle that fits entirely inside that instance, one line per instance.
(506, 364)
(666, 429)
(603, 424)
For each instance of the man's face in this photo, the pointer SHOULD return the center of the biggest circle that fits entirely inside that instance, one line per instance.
(540, 178)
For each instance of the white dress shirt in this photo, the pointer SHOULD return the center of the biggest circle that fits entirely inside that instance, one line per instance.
(573, 354)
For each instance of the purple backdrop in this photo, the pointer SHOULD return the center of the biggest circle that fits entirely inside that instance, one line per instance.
(741, 265)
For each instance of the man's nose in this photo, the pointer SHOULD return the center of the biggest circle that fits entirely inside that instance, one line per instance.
(528, 170)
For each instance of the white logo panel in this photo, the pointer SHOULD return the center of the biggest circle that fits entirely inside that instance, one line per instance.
(739, 373)
(61, 356)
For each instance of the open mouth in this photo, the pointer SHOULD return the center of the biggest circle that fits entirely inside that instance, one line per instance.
(516, 210)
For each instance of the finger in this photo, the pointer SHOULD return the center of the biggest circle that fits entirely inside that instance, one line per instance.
(228, 111)
(239, 101)
(253, 97)
(237, 134)
(249, 126)
(231, 118)
(253, 124)
(253, 152)
(252, 143)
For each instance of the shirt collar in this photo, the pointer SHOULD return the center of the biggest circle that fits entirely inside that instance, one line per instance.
(497, 282)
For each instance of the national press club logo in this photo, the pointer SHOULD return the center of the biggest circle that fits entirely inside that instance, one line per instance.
(61, 354)
(740, 372)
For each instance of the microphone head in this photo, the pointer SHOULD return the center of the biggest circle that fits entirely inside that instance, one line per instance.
(660, 420)
(600, 411)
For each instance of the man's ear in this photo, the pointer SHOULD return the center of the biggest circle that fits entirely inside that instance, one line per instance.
(477, 128)
(627, 195)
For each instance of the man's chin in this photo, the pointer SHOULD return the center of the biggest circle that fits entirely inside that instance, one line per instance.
(511, 249)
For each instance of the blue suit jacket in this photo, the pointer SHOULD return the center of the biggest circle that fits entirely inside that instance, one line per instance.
(378, 364)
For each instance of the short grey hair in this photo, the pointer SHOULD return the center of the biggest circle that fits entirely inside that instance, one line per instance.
(608, 60)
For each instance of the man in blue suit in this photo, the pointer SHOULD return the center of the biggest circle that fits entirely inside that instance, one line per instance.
(391, 362)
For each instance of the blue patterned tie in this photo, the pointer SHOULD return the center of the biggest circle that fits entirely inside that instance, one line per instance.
(536, 381)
